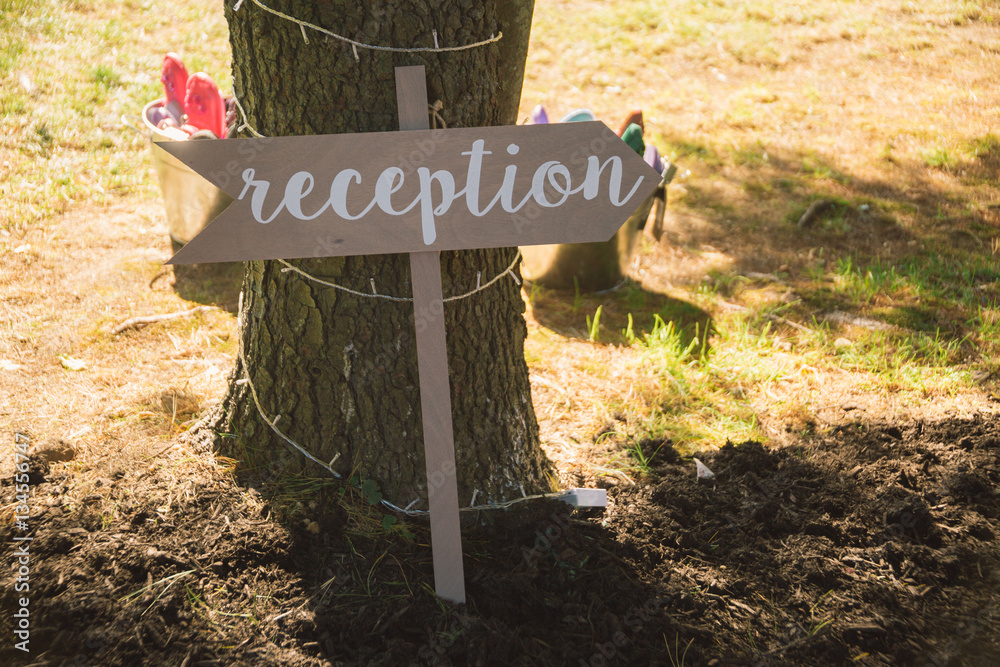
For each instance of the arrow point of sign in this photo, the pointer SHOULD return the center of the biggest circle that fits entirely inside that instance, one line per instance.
(633, 163)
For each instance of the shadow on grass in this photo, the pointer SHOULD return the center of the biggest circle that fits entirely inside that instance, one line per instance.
(567, 313)
(767, 190)
(211, 284)
(914, 247)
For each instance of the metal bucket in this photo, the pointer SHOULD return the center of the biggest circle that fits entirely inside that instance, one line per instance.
(594, 266)
(191, 201)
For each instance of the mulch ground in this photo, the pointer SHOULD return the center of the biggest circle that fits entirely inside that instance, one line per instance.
(867, 545)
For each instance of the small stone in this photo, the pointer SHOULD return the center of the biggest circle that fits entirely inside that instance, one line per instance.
(842, 343)
(313, 527)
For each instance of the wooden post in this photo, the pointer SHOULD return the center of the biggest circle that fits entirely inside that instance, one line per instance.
(432, 367)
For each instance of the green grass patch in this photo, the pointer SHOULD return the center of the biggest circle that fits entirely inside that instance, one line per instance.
(62, 96)
(694, 398)
(938, 158)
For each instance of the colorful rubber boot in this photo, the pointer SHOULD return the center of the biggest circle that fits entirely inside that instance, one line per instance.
(206, 110)
(174, 78)
(633, 118)
(633, 137)
(538, 116)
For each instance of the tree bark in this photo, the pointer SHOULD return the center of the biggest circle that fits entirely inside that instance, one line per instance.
(339, 369)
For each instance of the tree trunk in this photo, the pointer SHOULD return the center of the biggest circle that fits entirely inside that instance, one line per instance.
(340, 369)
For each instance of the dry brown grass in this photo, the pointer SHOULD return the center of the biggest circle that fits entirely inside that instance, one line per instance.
(139, 389)
(887, 108)
(770, 105)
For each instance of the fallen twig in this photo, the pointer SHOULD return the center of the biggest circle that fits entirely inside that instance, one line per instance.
(813, 212)
(774, 318)
(753, 275)
(165, 272)
(139, 322)
(549, 383)
(794, 325)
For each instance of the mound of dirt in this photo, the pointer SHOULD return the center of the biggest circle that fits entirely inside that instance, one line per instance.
(870, 545)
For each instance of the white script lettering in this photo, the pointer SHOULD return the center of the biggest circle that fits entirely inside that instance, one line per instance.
(551, 186)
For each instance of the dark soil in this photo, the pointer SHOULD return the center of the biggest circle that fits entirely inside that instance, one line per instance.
(868, 545)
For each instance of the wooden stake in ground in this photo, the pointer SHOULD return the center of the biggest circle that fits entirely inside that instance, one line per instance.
(432, 368)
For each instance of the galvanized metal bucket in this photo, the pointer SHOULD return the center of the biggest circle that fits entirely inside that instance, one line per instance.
(587, 266)
(191, 202)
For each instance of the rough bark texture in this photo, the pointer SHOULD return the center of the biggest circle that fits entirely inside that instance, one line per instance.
(340, 369)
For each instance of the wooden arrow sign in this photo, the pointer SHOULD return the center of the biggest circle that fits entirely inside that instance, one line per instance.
(425, 190)
(419, 191)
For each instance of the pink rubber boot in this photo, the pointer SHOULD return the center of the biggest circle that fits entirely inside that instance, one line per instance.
(174, 77)
(206, 110)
